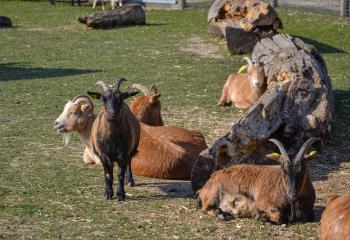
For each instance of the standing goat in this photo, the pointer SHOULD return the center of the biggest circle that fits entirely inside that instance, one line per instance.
(115, 136)
(335, 220)
(244, 89)
(268, 193)
(147, 108)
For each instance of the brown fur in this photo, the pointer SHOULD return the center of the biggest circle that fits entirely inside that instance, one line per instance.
(167, 152)
(147, 109)
(335, 220)
(257, 191)
(239, 89)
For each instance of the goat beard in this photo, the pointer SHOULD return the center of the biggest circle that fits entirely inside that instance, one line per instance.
(66, 138)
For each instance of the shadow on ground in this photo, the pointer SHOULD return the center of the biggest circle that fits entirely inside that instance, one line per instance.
(22, 71)
(337, 150)
(169, 188)
(321, 47)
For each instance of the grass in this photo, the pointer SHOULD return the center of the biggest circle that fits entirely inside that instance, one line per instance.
(45, 189)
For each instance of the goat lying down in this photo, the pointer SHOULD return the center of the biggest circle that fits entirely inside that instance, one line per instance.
(267, 193)
(335, 220)
(165, 152)
(244, 89)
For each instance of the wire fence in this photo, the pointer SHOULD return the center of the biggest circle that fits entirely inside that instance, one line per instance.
(334, 7)
(340, 7)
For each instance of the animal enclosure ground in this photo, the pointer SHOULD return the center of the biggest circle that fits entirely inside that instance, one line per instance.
(47, 192)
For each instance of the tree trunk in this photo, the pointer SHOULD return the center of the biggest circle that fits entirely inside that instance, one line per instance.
(298, 104)
(128, 14)
(242, 22)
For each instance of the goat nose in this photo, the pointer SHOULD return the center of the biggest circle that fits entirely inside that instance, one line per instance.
(55, 123)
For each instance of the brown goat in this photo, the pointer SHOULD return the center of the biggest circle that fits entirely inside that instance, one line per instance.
(78, 116)
(167, 152)
(244, 89)
(268, 193)
(335, 220)
(147, 109)
(115, 136)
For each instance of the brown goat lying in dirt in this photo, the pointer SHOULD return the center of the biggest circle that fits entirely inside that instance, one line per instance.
(335, 220)
(268, 193)
(244, 89)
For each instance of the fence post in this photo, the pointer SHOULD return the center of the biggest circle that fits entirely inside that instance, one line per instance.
(181, 4)
(345, 8)
(274, 3)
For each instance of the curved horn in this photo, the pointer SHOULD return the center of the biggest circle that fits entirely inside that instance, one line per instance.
(281, 148)
(119, 82)
(146, 91)
(249, 61)
(82, 98)
(154, 89)
(103, 84)
(263, 55)
(305, 146)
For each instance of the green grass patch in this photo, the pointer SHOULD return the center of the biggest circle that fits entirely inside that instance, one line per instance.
(48, 58)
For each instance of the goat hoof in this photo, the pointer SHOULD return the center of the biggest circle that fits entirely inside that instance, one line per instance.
(119, 198)
(131, 183)
(108, 194)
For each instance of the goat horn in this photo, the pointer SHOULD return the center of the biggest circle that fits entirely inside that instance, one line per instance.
(146, 91)
(154, 88)
(82, 98)
(249, 61)
(305, 146)
(119, 82)
(263, 55)
(281, 148)
(103, 84)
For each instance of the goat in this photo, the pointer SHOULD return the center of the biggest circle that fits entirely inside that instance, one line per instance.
(269, 193)
(335, 220)
(115, 136)
(244, 89)
(147, 109)
(78, 116)
(165, 152)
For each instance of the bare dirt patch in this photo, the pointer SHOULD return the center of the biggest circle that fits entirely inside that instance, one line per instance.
(196, 45)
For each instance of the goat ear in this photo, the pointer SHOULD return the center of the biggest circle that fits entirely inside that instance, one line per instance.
(129, 94)
(310, 156)
(86, 107)
(94, 95)
(154, 98)
(275, 156)
(243, 69)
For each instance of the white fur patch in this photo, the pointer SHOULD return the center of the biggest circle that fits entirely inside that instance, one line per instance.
(63, 117)
(66, 138)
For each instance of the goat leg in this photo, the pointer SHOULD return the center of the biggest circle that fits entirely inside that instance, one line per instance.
(121, 176)
(79, 3)
(108, 171)
(72, 2)
(129, 178)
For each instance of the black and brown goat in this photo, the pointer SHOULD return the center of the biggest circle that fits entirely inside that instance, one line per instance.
(269, 193)
(115, 136)
(335, 220)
